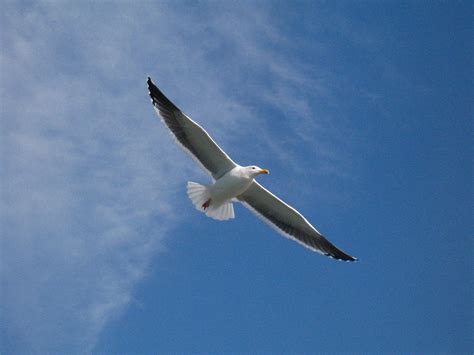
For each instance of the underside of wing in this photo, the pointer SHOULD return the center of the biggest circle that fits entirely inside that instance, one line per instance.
(288, 222)
(190, 136)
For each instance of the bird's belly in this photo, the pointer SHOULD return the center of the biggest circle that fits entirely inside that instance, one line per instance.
(228, 187)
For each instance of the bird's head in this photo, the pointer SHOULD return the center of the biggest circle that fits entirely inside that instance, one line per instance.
(254, 171)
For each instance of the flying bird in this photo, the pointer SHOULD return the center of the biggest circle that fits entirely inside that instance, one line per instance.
(233, 182)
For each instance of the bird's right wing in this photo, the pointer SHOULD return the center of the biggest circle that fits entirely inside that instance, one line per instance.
(288, 221)
(190, 136)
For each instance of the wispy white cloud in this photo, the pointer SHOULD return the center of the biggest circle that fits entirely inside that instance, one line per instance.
(83, 207)
(88, 178)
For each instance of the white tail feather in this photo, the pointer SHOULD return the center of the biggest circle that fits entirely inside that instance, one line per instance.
(199, 194)
(221, 212)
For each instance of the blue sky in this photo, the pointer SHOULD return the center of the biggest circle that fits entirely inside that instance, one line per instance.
(361, 110)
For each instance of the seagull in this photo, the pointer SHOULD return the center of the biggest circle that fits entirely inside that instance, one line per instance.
(233, 182)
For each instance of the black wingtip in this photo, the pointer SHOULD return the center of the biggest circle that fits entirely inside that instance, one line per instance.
(150, 83)
(343, 256)
(152, 87)
(347, 258)
(158, 97)
(339, 255)
(350, 258)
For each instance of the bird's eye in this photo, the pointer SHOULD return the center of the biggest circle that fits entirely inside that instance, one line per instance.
(253, 167)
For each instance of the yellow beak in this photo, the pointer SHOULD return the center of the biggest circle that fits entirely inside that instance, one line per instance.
(264, 171)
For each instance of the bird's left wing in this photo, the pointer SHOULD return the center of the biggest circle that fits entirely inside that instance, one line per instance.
(191, 136)
(288, 221)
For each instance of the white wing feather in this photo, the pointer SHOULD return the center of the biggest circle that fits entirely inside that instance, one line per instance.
(190, 136)
(288, 221)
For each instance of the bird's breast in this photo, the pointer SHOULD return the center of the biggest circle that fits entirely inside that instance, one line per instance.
(228, 187)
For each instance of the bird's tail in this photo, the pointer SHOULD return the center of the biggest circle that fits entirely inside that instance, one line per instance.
(201, 198)
(199, 195)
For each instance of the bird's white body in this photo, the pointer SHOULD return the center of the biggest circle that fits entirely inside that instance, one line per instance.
(216, 200)
(230, 185)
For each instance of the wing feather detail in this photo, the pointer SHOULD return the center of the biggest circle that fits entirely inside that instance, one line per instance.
(190, 136)
(288, 221)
